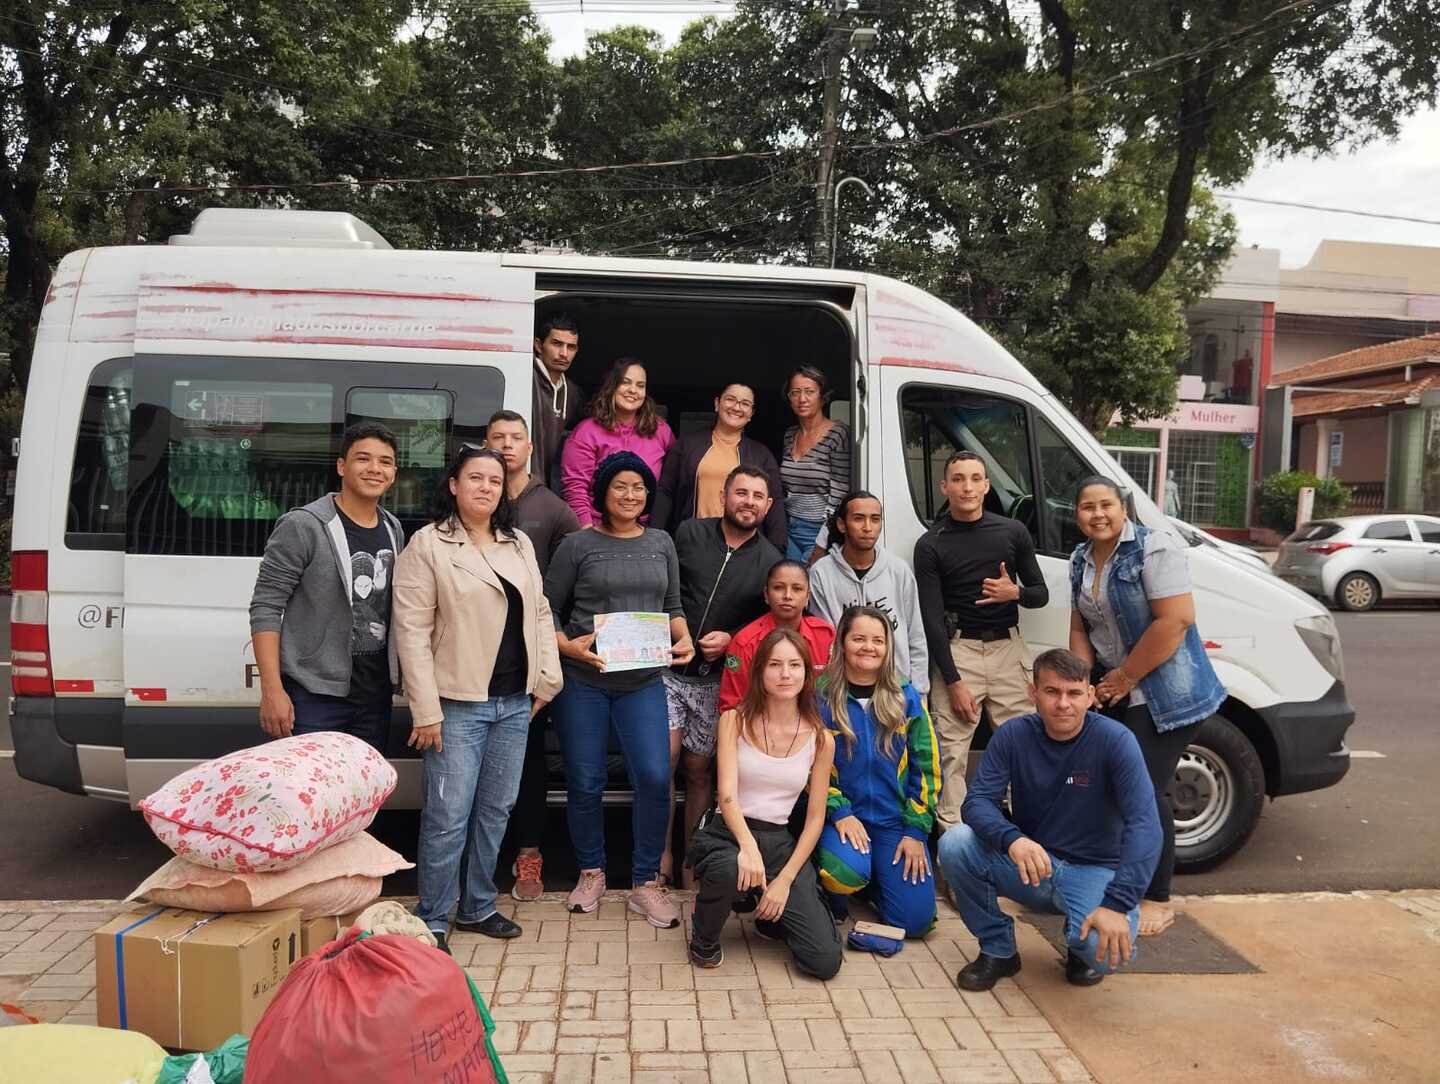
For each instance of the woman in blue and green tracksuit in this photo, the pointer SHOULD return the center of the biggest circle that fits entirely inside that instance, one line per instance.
(885, 782)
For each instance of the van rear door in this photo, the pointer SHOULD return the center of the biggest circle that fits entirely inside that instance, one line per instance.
(248, 365)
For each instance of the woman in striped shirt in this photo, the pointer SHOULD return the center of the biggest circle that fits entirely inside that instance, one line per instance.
(815, 464)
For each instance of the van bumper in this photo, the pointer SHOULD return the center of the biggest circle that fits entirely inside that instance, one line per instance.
(41, 754)
(1310, 738)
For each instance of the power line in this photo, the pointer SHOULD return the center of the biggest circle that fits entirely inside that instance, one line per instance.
(1262, 25)
(1327, 209)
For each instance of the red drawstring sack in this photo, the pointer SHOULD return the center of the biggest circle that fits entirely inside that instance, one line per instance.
(382, 1008)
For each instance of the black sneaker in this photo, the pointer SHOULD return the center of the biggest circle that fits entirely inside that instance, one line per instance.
(985, 971)
(769, 930)
(707, 956)
(496, 925)
(441, 942)
(1079, 973)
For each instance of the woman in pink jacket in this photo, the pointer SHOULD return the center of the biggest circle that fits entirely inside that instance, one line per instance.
(622, 419)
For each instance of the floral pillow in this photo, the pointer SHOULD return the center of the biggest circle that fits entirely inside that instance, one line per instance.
(272, 806)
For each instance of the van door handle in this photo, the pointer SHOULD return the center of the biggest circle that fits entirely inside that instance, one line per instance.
(1378, 549)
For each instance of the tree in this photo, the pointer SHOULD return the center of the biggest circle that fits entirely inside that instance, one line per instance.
(102, 110)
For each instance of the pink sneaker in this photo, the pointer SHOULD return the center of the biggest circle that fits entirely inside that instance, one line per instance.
(585, 896)
(654, 903)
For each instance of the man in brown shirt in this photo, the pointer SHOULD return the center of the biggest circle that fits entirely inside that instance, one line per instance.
(558, 402)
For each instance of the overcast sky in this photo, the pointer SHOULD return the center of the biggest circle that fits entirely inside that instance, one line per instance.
(1399, 178)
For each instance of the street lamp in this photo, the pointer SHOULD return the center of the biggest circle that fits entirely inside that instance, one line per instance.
(835, 214)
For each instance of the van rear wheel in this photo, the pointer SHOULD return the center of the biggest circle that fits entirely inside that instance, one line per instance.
(1218, 794)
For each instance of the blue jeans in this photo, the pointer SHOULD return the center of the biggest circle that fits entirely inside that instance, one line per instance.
(316, 713)
(978, 875)
(801, 534)
(845, 871)
(583, 716)
(470, 788)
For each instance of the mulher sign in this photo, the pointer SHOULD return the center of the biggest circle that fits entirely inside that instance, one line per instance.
(1206, 417)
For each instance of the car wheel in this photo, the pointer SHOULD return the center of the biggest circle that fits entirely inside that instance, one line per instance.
(1217, 794)
(1357, 592)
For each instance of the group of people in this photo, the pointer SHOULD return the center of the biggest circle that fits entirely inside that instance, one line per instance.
(802, 656)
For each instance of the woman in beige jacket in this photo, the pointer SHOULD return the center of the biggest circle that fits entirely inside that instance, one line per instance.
(478, 658)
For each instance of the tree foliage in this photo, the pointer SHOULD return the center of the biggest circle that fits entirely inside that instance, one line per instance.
(1045, 165)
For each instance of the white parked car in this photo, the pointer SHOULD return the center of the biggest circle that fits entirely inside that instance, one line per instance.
(1356, 561)
(1194, 536)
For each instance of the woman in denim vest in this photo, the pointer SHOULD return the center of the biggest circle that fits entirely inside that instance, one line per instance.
(1133, 618)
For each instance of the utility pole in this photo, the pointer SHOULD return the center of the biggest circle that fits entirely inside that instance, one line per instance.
(832, 57)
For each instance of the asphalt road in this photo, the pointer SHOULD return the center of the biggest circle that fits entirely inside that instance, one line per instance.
(1375, 830)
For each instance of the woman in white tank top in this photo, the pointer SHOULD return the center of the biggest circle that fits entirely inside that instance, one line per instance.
(769, 749)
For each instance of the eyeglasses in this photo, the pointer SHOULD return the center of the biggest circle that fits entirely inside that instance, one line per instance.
(620, 489)
(803, 393)
(738, 404)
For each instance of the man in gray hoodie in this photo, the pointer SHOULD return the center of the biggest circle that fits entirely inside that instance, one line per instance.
(857, 572)
(320, 612)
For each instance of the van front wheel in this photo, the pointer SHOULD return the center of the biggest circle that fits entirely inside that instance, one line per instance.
(1218, 794)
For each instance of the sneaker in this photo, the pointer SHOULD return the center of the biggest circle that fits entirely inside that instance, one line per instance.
(528, 883)
(585, 896)
(706, 956)
(441, 941)
(655, 904)
(984, 971)
(769, 930)
(493, 925)
(746, 904)
(1079, 973)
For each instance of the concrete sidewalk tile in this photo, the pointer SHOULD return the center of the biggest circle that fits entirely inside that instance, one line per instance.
(484, 954)
(882, 1003)
(680, 1010)
(875, 1033)
(763, 1066)
(612, 1005)
(35, 921)
(796, 1061)
(800, 1010)
(1066, 1066)
(684, 1036)
(516, 1064)
(916, 1067)
(571, 1028)
(582, 953)
(527, 997)
(10, 920)
(670, 1076)
(547, 977)
(791, 1034)
(1014, 999)
(574, 1068)
(773, 976)
(714, 1005)
(985, 1004)
(513, 977)
(726, 977)
(590, 1044)
(1015, 1024)
(50, 1012)
(827, 1035)
(1028, 1067)
(612, 954)
(930, 974)
(645, 977)
(744, 1003)
(934, 1035)
(677, 977)
(1028, 1040)
(647, 1036)
(547, 952)
(877, 1065)
(596, 978)
(656, 952)
(641, 932)
(729, 1068)
(41, 940)
(506, 1037)
(976, 1069)
(970, 1035)
(724, 1036)
(538, 1037)
(555, 929)
(524, 1012)
(849, 1003)
(671, 1061)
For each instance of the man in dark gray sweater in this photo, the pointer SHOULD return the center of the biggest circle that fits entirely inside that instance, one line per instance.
(546, 519)
(320, 612)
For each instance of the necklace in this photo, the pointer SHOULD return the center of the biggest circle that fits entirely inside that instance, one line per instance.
(789, 748)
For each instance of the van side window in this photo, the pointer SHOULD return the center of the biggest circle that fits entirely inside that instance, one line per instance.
(222, 447)
(95, 511)
(1061, 471)
(941, 421)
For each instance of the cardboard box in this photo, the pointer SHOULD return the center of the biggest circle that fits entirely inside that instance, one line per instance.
(316, 933)
(191, 979)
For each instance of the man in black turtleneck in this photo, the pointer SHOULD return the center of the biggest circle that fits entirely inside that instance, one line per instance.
(965, 566)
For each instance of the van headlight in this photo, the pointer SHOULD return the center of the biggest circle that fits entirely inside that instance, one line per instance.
(1323, 639)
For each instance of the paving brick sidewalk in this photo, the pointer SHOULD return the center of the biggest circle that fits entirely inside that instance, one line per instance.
(607, 997)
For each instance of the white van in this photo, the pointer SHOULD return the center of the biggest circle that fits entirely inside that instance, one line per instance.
(184, 396)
